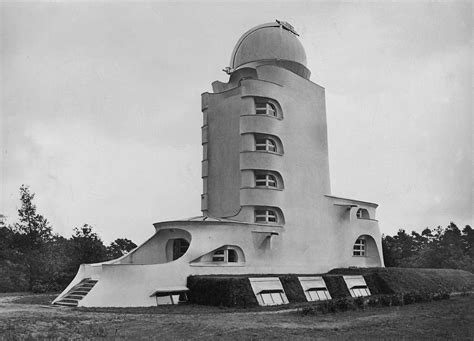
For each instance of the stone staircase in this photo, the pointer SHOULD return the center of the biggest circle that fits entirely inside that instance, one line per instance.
(77, 293)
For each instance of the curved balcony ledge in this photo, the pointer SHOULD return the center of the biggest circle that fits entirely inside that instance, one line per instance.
(262, 151)
(261, 197)
(263, 124)
(368, 225)
(261, 161)
(260, 88)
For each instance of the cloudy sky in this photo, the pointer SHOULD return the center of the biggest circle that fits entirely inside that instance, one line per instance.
(100, 106)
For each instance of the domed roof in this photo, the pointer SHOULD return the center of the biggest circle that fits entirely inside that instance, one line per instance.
(269, 41)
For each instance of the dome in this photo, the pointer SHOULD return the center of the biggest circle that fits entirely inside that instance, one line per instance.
(271, 41)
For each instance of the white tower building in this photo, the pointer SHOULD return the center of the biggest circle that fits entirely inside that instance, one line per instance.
(267, 204)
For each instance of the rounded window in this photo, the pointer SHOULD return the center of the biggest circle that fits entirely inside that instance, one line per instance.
(265, 144)
(362, 213)
(265, 108)
(265, 180)
(180, 246)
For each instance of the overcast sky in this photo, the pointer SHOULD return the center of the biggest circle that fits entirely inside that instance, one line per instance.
(100, 106)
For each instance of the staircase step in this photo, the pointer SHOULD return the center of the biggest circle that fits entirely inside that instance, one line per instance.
(86, 286)
(68, 301)
(77, 293)
(66, 304)
(74, 297)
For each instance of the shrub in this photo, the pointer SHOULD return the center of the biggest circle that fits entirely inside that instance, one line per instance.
(360, 302)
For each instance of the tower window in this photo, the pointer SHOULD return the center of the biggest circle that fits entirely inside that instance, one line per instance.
(265, 144)
(265, 216)
(265, 108)
(362, 213)
(265, 180)
(359, 247)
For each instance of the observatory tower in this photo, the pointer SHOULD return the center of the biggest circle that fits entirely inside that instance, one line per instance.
(266, 203)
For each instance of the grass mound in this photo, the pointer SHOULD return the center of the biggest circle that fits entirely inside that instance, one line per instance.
(398, 283)
(400, 280)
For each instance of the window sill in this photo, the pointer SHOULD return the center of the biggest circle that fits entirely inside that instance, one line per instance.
(259, 115)
(217, 264)
(367, 219)
(262, 151)
(263, 187)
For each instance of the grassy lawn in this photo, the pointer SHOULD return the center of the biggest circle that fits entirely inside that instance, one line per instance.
(452, 319)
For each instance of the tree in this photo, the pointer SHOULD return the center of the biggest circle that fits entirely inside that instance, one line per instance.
(119, 247)
(87, 247)
(33, 228)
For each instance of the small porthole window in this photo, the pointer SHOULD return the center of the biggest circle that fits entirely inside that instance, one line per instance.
(265, 144)
(265, 108)
(265, 180)
(359, 247)
(265, 216)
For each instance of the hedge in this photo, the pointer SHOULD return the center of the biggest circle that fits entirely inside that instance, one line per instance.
(221, 291)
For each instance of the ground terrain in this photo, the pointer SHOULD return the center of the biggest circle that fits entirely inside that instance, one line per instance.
(27, 316)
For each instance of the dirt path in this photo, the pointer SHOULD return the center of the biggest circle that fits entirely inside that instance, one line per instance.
(453, 318)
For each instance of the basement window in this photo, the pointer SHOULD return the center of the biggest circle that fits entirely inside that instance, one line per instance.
(359, 247)
(314, 288)
(268, 291)
(265, 180)
(265, 144)
(357, 286)
(170, 296)
(265, 216)
(272, 297)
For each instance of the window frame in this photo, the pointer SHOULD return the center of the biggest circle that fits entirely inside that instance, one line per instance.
(268, 215)
(221, 255)
(362, 213)
(265, 180)
(265, 144)
(266, 108)
(180, 247)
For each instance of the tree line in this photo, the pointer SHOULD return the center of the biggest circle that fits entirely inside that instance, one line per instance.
(34, 258)
(447, 247)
